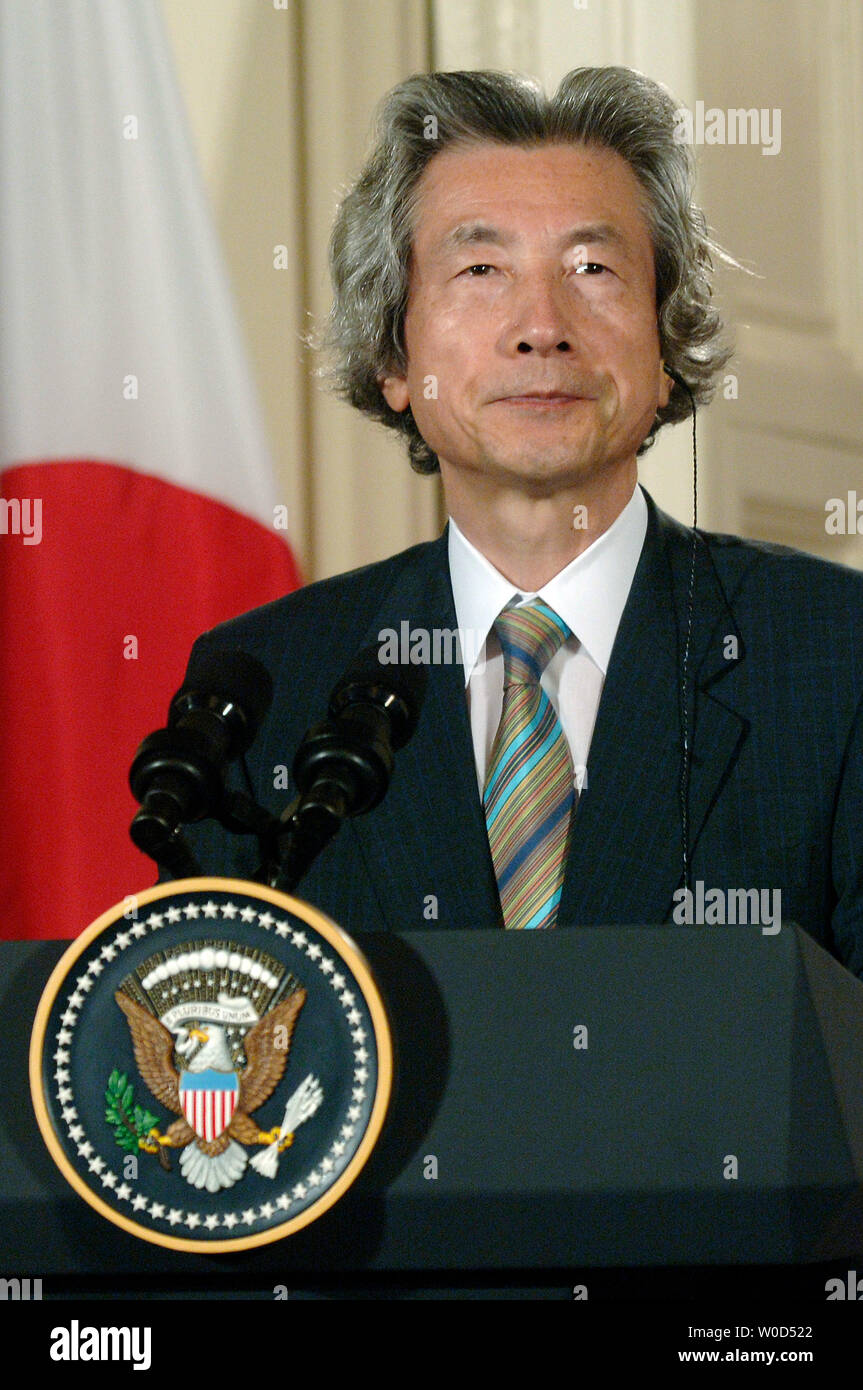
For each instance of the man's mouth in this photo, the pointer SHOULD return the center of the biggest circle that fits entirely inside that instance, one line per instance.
(543, 398)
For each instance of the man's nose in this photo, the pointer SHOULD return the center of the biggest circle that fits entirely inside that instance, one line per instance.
(543, 319)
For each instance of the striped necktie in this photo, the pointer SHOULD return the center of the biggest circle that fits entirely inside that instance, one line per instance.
(528, 795)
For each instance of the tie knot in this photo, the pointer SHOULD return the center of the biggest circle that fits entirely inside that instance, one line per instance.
(529, 637)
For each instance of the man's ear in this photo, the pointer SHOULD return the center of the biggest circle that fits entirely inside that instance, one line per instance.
(665, 385)
(395, 391)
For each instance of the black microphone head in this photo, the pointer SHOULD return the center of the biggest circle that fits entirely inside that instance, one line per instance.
(230, 679)
(398, 688)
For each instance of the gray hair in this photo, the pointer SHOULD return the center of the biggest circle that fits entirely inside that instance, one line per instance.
(371, 240)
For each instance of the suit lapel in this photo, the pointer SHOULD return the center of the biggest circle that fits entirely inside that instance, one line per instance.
(428, 835)
(626, 852)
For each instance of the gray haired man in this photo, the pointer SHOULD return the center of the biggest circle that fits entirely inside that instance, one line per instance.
(523, 290)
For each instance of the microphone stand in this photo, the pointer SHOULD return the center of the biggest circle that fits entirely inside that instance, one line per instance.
(342, 768)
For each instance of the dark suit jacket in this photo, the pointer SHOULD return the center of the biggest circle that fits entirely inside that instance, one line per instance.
(776, 794)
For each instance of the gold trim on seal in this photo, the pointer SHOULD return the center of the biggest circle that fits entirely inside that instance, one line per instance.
(349, 952)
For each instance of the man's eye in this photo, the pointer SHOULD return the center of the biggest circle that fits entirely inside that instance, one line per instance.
(589, 265)
(478, 270)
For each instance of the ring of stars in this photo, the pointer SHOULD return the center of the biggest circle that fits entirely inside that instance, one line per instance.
(326, 1168)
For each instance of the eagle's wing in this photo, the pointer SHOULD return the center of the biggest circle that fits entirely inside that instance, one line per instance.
(265, 1060)
(154, 1047)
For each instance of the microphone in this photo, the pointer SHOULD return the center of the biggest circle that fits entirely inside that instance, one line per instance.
(177, 772)
(344, 764)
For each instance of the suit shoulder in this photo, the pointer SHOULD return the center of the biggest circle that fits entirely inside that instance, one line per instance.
(737, 556)
(783, 564)
(789, 596)
(340, 601)
(777, 584)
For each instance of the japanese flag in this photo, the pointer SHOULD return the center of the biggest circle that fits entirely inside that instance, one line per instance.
(138, 503)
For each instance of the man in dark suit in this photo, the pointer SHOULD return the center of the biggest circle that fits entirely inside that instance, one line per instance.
(648, 708)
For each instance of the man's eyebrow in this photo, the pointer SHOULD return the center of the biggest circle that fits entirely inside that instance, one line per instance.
(481, 233)
(469, 233)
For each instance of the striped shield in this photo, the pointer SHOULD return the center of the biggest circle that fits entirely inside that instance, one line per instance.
(209, 1099)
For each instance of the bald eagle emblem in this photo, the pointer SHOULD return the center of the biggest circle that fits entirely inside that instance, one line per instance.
(211, 1027)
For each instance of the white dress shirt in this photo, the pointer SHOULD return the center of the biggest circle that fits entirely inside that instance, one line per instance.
(590, 594)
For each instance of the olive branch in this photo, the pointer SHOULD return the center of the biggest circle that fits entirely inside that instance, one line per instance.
(132, 1124)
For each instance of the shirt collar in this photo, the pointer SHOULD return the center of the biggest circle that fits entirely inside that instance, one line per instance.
(590, 593)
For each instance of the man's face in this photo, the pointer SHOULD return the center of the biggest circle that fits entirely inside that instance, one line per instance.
(531, 335)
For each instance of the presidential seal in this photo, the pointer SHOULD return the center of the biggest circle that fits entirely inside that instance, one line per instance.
(211, 1064)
